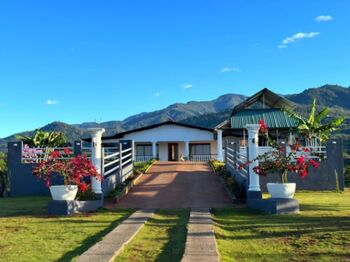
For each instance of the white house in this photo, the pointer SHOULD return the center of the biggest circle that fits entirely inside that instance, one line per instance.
(172, 141)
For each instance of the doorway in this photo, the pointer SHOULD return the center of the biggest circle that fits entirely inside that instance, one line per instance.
(173, 152)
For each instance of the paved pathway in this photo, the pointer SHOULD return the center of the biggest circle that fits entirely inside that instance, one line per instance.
(111, 245)
(200, 243)
(176, 185)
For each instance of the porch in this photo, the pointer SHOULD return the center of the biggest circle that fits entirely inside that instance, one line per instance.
(175, 151)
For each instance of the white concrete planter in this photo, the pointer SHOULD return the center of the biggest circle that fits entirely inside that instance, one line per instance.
(277, 190)
(68, 192)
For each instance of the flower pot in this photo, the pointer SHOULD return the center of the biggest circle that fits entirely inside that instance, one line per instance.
(277, 190)
(66, 192)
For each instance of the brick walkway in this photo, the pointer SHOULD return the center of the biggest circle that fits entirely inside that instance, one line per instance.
(176, 185)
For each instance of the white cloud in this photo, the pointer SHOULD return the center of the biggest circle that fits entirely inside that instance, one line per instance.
(51, 102)
(157, 94)
(281, 46)
(297, 37)
(323, 18)
(229, 69)
(186, 85)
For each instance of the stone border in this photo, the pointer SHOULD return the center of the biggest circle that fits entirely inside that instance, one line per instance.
(71, 207)
(133, 183)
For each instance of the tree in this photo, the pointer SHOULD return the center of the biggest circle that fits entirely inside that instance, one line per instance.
(44, 139)
(314, 129)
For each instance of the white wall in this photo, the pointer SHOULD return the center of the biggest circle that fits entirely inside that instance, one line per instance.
(172, 133)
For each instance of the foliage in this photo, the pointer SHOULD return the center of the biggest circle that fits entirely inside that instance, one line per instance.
(44, 139)
(4, 180)
(229, 181)
(279, 161)
(313, 128)
(347, 175)
(141, 167)
(74, 171)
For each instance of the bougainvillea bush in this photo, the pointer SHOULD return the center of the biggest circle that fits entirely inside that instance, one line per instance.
(296, 160)
(76, 170)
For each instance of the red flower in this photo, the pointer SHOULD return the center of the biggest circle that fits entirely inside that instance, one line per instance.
(303, 173)
(313, 163)
(263, 126)
(300, 160)
(83, 187)
(67, 151)
(305, 149)
(55, 154)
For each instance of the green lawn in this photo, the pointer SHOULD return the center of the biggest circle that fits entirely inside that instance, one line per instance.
(27, 234)
(161, 239)
(321, 232)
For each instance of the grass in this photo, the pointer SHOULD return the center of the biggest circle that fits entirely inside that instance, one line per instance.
(141, 167)
(161, 239)
(321, 232)
(28, 234)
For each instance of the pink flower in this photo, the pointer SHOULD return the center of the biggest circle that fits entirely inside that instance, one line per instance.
(67, 151)
(263, 126)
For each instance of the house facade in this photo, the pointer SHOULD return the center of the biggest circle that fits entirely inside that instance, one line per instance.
(171, 141)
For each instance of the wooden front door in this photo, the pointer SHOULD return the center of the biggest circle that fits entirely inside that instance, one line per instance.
(173, 152)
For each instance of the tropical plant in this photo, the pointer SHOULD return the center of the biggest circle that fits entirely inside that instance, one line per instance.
(75, 170)
(281, 162)
(314, 129)
(3, 174)
(44, 139)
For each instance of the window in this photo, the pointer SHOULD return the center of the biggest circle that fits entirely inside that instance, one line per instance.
(200, 149)
(145, 150)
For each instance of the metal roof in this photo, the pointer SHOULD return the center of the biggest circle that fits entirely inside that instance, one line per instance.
(274, 118)
(266, 97)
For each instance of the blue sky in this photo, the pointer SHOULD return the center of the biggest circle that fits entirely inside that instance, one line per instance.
(77, 61)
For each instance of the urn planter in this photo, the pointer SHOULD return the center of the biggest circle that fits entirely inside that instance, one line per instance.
(285, 190)
(64, 192)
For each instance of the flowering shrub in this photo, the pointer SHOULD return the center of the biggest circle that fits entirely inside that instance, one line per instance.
(74, 170)
(279, 161)
(31, 155)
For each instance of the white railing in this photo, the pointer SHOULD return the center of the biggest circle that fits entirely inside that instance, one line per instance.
(202, 157)
(114, 160)
(143, 158)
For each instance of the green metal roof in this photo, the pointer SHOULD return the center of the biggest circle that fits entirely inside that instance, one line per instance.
(274, 118)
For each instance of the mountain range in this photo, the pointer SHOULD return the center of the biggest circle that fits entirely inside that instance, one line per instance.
(208, 113)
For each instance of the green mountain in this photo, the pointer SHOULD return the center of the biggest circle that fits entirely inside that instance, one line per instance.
(210, 113)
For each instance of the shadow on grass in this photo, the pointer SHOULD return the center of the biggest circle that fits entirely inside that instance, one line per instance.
(90, 241)
(174, 249)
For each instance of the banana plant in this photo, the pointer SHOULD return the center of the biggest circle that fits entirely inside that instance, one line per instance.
(44, 139)
(313, 129)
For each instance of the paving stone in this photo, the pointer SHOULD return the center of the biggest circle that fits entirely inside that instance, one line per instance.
(200, 243)
(111, 245)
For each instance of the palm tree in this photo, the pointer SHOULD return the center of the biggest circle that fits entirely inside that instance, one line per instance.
(313, 129)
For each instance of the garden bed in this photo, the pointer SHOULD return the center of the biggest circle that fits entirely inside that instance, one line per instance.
(231, 186)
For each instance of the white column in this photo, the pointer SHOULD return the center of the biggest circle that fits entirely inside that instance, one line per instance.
(133, 148)
(96, 150)
(253, 147)
(154, 149)
(219, 145)
(187, 150)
